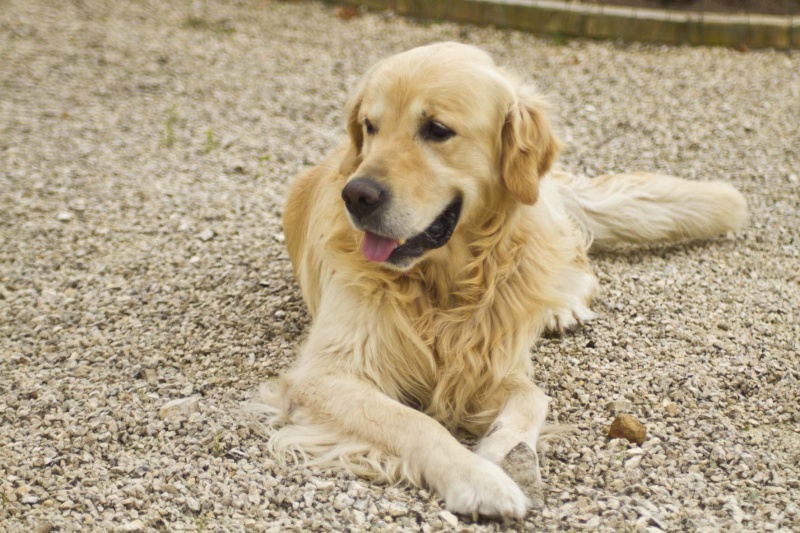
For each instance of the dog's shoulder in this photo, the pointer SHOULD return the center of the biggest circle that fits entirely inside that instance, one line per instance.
(313, 214)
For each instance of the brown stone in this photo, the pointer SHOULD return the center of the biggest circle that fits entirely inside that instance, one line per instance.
(672, 408)
(626, 426)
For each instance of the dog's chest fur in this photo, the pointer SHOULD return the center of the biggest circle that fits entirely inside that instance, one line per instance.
(444, 335)
(455, 334)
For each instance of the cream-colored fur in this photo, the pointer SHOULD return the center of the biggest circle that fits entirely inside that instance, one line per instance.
(398, 357)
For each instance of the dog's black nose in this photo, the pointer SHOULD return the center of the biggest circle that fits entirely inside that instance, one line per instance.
(362, 196)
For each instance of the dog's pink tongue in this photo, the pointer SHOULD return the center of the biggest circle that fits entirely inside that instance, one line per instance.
(377, 248)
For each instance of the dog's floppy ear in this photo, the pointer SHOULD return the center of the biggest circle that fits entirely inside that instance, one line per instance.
(529, 146)
(353, 157)
(354, 127)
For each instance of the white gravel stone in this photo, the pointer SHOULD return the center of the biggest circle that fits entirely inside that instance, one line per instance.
(131, 527)
(206, 235)
(449, 517)
(180, 407)
(358, 517)
(343, 501)
(397, 509)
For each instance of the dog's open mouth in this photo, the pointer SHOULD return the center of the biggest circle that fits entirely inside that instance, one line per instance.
(396, 251)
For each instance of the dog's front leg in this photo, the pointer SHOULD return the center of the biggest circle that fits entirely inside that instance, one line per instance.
(511, 439)
(470, 484)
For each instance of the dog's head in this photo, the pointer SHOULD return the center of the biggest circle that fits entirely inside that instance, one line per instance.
(439, 134)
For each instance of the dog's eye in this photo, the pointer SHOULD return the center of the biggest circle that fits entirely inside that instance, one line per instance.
(370, 128)
(436, 131)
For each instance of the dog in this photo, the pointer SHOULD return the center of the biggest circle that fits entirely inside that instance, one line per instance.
(433, 248)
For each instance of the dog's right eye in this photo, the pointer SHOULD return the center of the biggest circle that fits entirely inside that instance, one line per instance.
(436, 131)
(370, 128)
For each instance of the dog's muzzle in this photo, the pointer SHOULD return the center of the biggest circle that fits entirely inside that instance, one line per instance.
(363, 198)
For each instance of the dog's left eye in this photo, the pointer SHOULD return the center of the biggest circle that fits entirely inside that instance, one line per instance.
(436, 131)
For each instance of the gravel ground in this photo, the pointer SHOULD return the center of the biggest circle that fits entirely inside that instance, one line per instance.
(144, 153)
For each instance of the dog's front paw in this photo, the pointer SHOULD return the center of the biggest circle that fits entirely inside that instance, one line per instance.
(560, 321)
(482, 487)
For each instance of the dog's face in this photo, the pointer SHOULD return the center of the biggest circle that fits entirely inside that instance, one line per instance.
(438, 135)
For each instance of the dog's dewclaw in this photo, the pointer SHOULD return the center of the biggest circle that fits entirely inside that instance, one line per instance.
(522, 464)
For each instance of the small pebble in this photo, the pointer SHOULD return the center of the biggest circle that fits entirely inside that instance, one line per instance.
(618, 406)
(397, 509)
(206, 235)
(625, 426)
(449, 518)
(134, 526)
(180, 407)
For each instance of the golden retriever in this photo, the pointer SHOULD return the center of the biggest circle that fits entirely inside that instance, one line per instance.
(433, 248)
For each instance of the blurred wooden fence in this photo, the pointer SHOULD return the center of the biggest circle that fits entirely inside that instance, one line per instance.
(605, 20)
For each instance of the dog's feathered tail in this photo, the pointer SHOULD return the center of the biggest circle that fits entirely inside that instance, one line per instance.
(650, 208)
